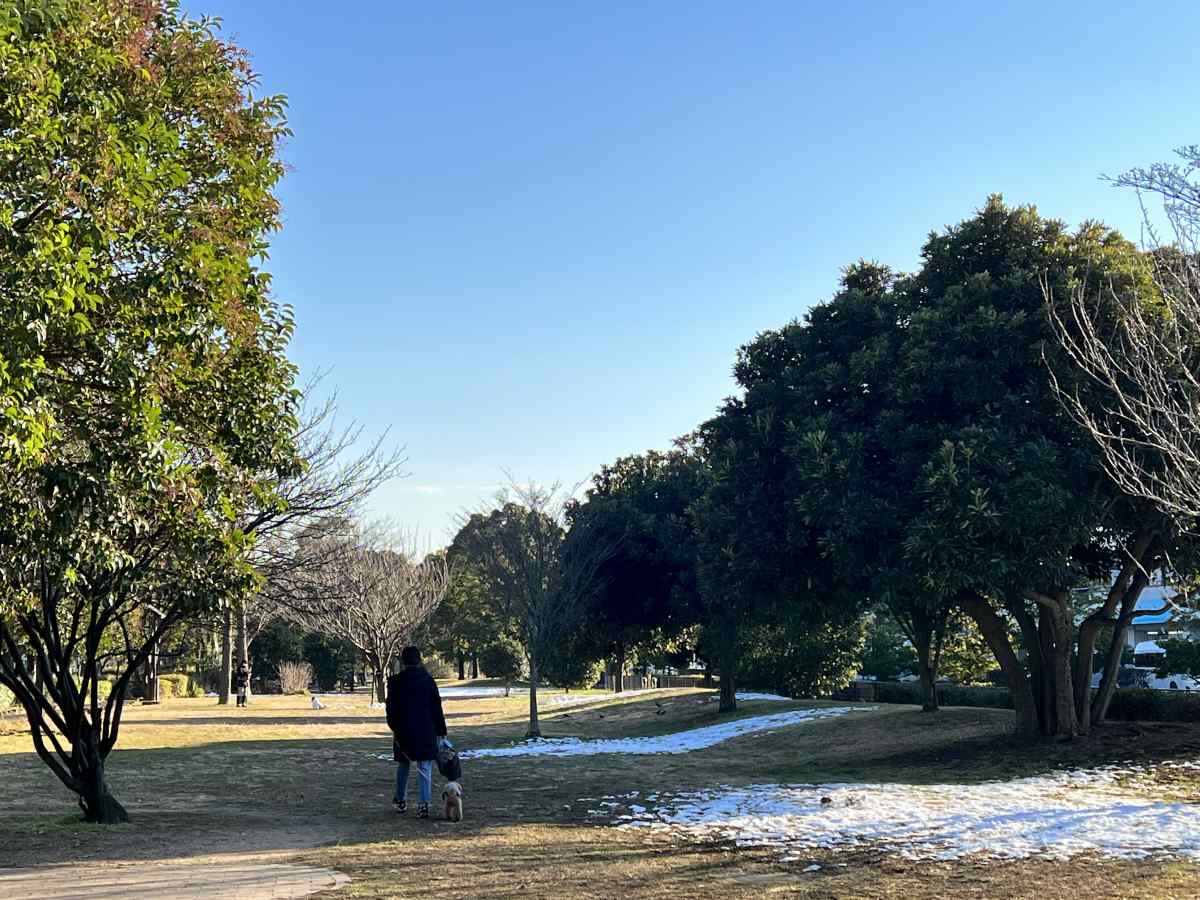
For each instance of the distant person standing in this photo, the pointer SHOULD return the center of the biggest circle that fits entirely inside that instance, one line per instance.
(414, 714)
(242, 679)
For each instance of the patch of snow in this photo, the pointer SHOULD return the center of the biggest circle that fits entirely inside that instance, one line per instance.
(750, 695)
(680, 742)
(1109, 811)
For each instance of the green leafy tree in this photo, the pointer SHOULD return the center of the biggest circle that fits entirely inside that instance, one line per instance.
(1182, 658)
(646, 593)
(334, 660)
(966, 657)
(143, 381)
(504, 659)
(802, 659)
(467, 619)
(887, 653)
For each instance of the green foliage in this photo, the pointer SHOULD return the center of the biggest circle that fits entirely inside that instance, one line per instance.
(468, 616)
(802, 660)
(1140, 705)
(279, 642)
(333, 660)
(646, 594)
(948, 695)
(966, 656)
(145, 395)
(174, 684)
(1182, 658)
(886, 652)
(503, 659)
(573, 662)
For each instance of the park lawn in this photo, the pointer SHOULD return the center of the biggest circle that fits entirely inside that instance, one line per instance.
(282, 781)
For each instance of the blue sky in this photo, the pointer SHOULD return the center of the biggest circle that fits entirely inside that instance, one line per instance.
(532, 236)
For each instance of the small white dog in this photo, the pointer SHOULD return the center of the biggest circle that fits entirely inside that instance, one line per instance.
(452, 797)
(316, 702)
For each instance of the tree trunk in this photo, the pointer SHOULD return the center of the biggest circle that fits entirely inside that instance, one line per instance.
(535, 730)
(991, 626)
(474, 666)
(728, 674)
(380, 686)
(923, 644)
(99, 806)
(243, 640)
(226, 656)
(1125, 592)
(1064, 695)
(462, 667)
(1112, 665)
(708, 674)
(619, 684)
(929, 697)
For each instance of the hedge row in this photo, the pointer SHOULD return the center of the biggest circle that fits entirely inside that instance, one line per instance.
(1128, 704)
(178, 684)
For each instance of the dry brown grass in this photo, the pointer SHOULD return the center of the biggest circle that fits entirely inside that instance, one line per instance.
(283, 781)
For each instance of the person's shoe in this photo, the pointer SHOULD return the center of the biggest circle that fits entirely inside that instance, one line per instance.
(423, 811)
(401, 806)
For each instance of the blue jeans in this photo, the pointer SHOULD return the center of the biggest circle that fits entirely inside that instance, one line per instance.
(424, 779)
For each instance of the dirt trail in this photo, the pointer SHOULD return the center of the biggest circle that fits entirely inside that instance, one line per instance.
(191, 880)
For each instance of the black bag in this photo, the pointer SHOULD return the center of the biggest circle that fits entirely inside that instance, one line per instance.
(448, 764)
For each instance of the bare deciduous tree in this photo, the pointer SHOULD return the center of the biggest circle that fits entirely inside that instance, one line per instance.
(290, 545)
(374, 591)
(538, 575)
(1139, 354)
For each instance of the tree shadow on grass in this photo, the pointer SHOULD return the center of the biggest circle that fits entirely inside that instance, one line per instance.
(268, 795)
(250, 719)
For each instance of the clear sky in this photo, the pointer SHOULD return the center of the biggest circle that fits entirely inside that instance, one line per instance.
(532, 236)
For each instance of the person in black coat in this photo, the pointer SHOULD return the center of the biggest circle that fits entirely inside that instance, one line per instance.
(414, 714)
(241, 678)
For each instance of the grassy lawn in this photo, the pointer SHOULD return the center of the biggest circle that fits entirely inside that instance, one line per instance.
(281, 781)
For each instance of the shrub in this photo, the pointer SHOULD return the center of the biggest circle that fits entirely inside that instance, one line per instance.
(103, 689)
(6, 698)
(1140, 705)
(960, 695)
(295, 677)
(503, 659)
(439, 668)
(333, 660)
(173, 684)
(570, 665)
(800, 659)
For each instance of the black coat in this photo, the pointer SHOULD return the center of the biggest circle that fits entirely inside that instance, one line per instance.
(414, 713)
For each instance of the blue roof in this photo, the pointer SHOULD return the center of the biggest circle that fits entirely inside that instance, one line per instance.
(1153, 597)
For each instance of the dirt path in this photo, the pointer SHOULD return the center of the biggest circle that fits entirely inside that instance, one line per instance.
(191, 880)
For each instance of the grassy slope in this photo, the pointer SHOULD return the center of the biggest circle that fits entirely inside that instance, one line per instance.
(282, 779)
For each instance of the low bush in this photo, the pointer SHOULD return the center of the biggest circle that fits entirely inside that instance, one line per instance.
(295, 677)
(1128, 704)
(103, 689)
(959, 695)
(6, 698)
(173, 684)
(1141, 705)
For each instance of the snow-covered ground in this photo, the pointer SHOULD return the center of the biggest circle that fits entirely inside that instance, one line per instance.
(680, 742)
(466, 692)
(1110, 811)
